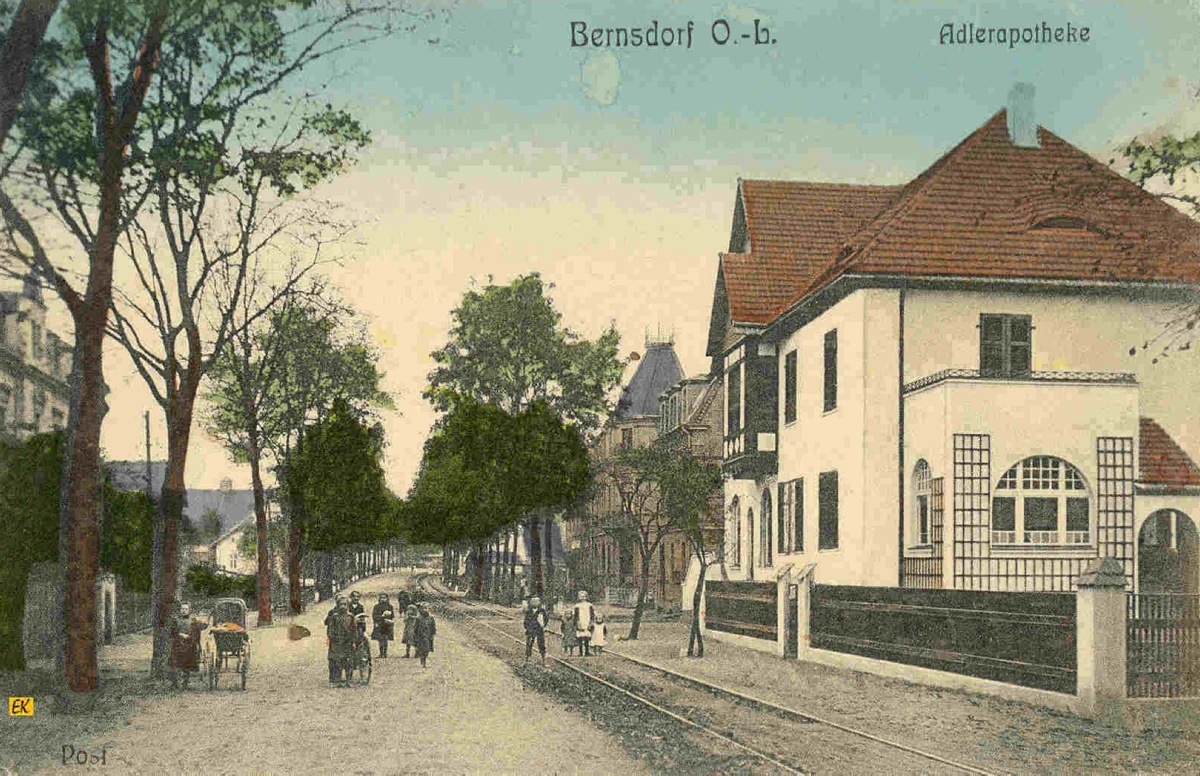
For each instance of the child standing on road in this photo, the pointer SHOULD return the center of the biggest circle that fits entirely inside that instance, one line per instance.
(599, 635)
(569, 641)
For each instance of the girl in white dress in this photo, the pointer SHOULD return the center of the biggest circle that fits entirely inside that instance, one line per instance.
(599, 635)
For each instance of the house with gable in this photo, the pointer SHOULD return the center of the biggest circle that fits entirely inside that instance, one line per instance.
(944, 385)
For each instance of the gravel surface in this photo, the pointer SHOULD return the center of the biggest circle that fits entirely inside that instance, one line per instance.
(986, 732)
(466, 712)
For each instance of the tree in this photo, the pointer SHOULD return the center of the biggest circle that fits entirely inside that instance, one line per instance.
(688, 486)
(660, 489)
(507, 347)
(25, 34)
(276, 376)
(224, 156)
(483, 468)
(210, 525)
(338, 475)
(86, 126)
(1168, 167)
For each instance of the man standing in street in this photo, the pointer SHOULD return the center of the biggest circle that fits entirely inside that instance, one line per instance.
(536, 620)
(341, 631)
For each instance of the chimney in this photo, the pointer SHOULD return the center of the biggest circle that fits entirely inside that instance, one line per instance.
(1022, 125)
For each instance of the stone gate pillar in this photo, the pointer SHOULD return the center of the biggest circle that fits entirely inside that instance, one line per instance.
(1100, 635)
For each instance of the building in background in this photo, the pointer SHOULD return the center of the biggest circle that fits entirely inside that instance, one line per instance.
(614, 563)
(35, 366)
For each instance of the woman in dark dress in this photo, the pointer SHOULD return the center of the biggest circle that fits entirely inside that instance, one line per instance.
(185, 645)
(423, 632)
(383, 616)
(410, 625)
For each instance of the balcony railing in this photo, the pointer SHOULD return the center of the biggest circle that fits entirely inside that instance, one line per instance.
(1127, 378)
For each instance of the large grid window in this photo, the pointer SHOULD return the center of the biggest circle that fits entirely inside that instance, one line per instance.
(827, 511)
(1042, 500)
(831, 380)
(922, 493)
(789, 387)
(1005, 345)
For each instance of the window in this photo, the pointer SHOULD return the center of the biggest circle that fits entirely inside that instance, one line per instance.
(798, 522)
(789, 387)
(765, 554)
(830, 370)
(1004, 345)
(827, 511)
(733, 424)
(791, 517)
(626, 438)
(922, 491)
(1042, 500)
(733, 533)
(56, 419)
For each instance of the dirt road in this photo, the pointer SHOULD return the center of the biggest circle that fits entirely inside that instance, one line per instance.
(466, 712)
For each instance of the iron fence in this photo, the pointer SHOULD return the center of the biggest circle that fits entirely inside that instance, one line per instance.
(1163, 646)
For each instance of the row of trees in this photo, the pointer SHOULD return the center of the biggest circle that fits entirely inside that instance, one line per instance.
(519, 395)
(164, 134)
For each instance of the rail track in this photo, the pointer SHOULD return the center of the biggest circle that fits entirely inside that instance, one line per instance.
(782, 739)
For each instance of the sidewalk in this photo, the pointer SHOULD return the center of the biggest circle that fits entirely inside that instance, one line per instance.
(995, 734)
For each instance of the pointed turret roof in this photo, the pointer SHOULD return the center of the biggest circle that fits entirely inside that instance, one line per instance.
(658, 370)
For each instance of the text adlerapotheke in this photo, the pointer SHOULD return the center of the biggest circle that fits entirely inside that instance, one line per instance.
(970, 34)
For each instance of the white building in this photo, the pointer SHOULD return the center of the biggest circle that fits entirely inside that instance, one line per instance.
(944, 384)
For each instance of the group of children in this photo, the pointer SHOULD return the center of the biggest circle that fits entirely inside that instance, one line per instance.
(575, 638)
(583, 628)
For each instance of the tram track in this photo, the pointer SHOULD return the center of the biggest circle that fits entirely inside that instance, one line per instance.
(780, 738)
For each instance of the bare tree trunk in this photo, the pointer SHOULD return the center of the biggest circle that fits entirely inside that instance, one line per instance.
(549, 555)
(479, 570)
(79, 555)
(696, 639)
(24, 37)
(535, 555)
(263, 588)
(179, 429)
(640, 609)
(295, 580)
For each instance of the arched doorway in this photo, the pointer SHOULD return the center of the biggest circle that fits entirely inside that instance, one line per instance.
(1168, 561)
(766, 554)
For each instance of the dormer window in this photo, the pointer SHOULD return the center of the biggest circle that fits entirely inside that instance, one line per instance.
(1063, 222)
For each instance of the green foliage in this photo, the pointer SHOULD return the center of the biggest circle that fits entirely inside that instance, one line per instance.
(337, 475)
(30, 479)
(125, 547)
(507, 348)
(205, 581)
(484, 469)
(210, 525)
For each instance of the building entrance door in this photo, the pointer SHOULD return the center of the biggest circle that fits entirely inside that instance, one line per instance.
(1168, 558)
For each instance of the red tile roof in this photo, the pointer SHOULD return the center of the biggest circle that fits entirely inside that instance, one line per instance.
(793, 227)
(1161, 460)
(979, 211)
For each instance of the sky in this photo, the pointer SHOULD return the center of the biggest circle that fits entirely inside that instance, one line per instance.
(501, 149)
